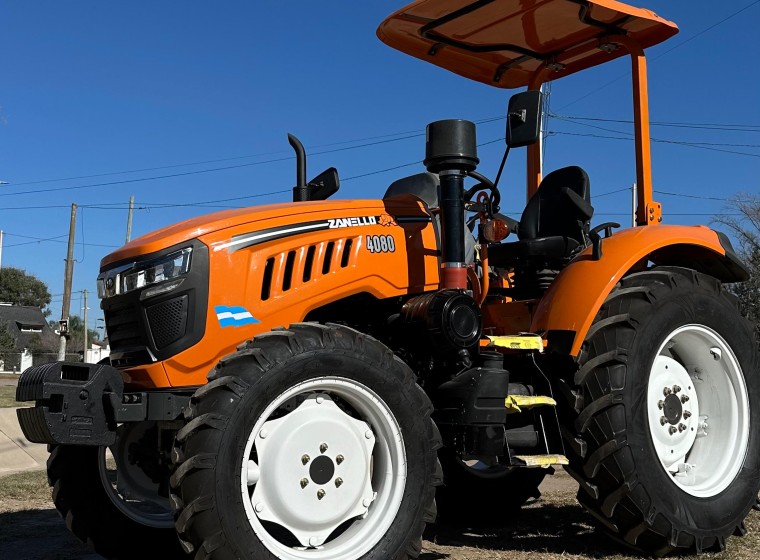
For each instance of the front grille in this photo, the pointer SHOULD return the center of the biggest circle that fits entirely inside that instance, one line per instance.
(123, 328)
(168, 321)
(146, 329)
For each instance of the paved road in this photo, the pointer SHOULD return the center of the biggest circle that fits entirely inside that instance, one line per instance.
(16, 453)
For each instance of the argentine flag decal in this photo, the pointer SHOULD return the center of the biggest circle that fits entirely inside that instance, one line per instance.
(234, 316)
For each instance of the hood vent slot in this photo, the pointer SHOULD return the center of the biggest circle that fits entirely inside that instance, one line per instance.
(292, 269)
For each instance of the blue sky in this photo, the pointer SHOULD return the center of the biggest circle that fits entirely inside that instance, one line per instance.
(92, 87)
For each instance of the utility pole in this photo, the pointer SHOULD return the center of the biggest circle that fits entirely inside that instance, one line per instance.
(129, 217)
(84, 355)
(1, 248)
(67, 279)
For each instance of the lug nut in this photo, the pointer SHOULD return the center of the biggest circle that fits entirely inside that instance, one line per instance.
(660, 404)
(323, 448)
(672, 430)
(666, 391)
(339, 459)
(304, 482)
(320, 494)
(681, 427)
(686, 414)
(338, 482)
(663, 420)
(305, 459)
(676, 388)
(684, 398)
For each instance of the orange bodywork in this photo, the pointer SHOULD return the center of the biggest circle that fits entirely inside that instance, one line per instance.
(573, 300)
(504, 43)
(341, 265)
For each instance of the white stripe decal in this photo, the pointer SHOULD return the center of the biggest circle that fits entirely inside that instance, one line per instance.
(265, 235)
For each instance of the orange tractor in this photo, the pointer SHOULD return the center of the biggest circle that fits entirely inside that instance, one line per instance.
(308, 380)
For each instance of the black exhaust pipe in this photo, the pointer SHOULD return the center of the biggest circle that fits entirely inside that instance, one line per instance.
(301, 190)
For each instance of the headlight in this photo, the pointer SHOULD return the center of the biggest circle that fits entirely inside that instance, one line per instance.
(139, 275)
(166, 268)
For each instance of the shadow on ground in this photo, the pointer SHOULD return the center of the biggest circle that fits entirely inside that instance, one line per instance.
(542, 527)
(39, 534)
(42, 534)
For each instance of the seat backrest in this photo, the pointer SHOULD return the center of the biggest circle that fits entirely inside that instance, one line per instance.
(425, 186)
(552, 212)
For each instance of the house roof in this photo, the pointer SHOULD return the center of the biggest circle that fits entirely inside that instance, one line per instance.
(25, 317)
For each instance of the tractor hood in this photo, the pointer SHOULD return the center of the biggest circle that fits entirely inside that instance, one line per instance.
(256, 218)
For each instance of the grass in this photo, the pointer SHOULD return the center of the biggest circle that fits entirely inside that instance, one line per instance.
(8, 397)
(554, 528)
(32, 486)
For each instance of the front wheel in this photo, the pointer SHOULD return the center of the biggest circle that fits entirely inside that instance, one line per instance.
(116, 499)
(309, 443)
(667, 445)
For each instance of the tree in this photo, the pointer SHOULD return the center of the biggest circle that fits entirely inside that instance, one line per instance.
(8, 351)
(743, 220)
(20, 288)
(76, 334)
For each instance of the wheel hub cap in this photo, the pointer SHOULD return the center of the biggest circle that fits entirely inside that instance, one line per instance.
(314, 470)
(673, 409)
(673, 419)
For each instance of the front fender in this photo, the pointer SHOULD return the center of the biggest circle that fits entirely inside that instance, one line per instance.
(566, 311)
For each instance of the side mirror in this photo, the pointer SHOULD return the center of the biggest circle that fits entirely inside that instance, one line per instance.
(324, 185)
(524, 118)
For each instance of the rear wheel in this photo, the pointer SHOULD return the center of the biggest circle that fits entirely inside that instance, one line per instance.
(666, 446)
(309, 443)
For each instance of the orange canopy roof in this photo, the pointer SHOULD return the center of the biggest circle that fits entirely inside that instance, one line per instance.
(504, 42)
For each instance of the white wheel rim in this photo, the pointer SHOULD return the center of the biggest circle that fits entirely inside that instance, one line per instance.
(698, 410)
(334, 481)
(132, 492)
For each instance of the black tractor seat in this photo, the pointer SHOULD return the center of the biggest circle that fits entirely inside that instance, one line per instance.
(554, 224)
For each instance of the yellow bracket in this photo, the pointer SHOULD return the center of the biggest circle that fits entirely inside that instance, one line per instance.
(544, 461)
(518, 342)
(515, 403)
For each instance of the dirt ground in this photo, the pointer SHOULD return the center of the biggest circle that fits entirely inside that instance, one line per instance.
(552, 528)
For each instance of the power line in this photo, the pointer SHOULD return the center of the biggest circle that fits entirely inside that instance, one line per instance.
(701, 145)
(704, 126)
(381, 139)
(711, 27)
(200, 171)
(56, 239)
(576, 121)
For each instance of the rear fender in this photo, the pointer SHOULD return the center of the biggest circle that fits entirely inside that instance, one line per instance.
(566, 311)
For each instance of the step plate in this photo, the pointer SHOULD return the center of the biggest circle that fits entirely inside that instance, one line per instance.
(516, 403)
(544, 461)
(524, 342)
